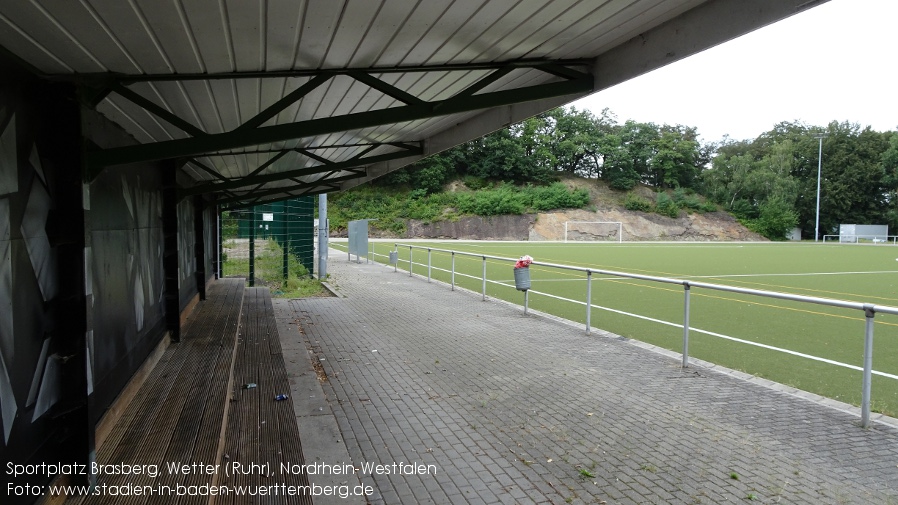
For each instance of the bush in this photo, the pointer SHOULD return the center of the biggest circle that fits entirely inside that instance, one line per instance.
(556, 196)
(708, 207)
(665, 206)
(776, 218)
(474, 183)
(636, 202)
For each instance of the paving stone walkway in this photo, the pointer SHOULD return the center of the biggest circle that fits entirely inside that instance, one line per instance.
(509, 408)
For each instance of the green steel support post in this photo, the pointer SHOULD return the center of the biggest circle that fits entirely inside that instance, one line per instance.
(252, 246)
(285, 241)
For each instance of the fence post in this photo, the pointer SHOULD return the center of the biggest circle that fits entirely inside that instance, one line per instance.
(686, 324)
(526, 301)
(484, 278)
(410, 261)
(868, 366)
(588, 300)
(428, 264)
(252, 247)
(453, 270)
(396, 265)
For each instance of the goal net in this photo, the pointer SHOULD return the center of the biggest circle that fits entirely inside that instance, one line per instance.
(593, 231)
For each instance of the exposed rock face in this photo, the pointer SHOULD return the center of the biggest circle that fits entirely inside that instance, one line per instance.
(641, 226)
(475, 228)
(712, 226)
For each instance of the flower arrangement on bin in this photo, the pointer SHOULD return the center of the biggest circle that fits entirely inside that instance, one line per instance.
(524, 262)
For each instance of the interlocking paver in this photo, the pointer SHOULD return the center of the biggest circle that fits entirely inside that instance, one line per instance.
(522, 409)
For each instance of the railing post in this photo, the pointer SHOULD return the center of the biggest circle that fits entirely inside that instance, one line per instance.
(453, 270)
(396, 265)
(484, 278)
(868, 366)
(428, 264)
(410, 263)
(526, 301)
(686, 324)
(588, 301)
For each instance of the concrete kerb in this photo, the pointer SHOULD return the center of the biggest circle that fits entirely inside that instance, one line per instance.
(694, 362)
(322, 441)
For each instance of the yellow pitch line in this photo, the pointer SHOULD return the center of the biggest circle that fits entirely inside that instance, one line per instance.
(717, 297)
(570, 274)
(729, 280)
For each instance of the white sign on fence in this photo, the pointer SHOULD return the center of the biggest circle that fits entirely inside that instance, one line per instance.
(267, 216)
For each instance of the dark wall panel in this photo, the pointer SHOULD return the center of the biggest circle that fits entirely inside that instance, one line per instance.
(210, 240)
(186, 255)
(126, 273)
(43, 393)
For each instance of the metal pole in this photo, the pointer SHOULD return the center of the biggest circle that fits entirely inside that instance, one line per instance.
(285, 245)
(428, 264)
(484, 278)
(819, 165)
(409, 261)
(453, 270)
(686, 325)
(252, 247)
(323, 232)
(526, 301)
(396, 265)
(868, 366)
(220, 269)
(588, 300)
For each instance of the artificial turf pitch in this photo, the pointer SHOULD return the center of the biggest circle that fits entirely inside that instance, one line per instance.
(859, 273)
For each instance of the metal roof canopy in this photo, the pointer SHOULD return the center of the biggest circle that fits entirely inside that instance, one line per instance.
(262, 101)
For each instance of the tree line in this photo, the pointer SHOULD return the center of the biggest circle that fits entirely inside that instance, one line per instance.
(770, 181)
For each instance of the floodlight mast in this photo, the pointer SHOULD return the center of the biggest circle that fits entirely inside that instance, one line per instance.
(820, 137)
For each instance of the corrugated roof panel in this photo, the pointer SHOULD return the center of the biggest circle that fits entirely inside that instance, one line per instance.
(472, 41)
(627, 22)
(28, 20)
(131, 118)
(202, 99)
(529, 33)
(247, 24)
(319, 24)
(172, 35)
(211, 35)
(284, 23)
(440, 32)
(130, 27)
(354, 24)
(248, 98)
(412, 30)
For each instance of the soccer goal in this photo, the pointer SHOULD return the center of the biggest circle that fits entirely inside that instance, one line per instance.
(593, 231)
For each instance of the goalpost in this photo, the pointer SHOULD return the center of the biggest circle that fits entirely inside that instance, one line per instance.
(593, 230)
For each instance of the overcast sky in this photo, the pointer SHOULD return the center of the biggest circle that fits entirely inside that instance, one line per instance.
(832, 62)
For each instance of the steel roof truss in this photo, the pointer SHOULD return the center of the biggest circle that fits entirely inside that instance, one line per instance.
(291, 98)
(268, 134)
(333, 166)
(326, 180)
(162, 113)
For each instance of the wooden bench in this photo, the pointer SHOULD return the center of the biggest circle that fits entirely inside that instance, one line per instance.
(192, 410)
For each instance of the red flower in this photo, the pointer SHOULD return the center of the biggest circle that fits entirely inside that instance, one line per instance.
(524, 262)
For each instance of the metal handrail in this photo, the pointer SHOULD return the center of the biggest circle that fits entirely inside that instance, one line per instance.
(869, 309)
